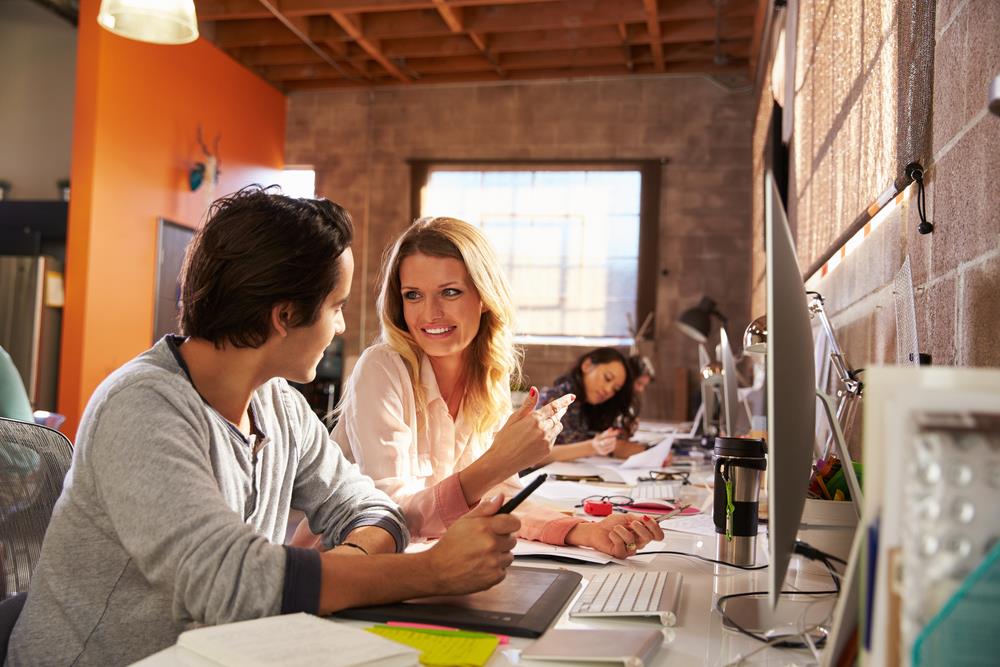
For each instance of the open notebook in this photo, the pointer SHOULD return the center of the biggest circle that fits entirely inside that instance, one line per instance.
(294, 640)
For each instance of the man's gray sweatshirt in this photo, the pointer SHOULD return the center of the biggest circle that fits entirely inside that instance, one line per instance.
(168, 517)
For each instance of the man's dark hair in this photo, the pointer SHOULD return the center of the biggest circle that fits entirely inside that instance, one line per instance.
(257, 250)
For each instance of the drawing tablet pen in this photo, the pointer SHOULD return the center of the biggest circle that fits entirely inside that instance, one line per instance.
(512, 504)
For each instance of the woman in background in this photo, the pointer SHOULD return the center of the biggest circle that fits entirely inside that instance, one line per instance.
(643, 374)
(602, 381)
(427, 411)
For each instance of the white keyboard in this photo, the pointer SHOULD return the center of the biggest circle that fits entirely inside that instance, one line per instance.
(655, 490)
(627, 592)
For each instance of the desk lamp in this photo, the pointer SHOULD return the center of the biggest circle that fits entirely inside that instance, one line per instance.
(697, 322)
(755, 341)
(849, 393)
(755, 336)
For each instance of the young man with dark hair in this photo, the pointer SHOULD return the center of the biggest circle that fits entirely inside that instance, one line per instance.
(190, 456)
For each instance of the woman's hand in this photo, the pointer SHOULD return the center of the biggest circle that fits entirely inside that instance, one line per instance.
(619, 535)
(528, 435)
(604, 442)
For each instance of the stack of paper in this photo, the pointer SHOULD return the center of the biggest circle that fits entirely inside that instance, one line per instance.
(525, 548)
(294, 640)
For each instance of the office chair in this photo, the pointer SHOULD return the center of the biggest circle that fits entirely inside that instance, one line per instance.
(10, 609)
(33, 462)
(14, 401)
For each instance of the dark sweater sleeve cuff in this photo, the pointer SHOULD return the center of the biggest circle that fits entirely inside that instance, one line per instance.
(302, 581)
(383, 522)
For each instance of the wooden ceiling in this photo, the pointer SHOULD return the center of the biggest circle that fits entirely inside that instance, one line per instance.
(316, 44)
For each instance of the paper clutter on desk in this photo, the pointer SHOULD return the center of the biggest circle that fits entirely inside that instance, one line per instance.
(654, 457)
(295, 640)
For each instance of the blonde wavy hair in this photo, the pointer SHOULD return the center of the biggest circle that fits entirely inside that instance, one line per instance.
(493, 361)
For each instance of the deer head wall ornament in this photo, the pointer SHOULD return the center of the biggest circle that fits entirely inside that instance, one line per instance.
(209, 168)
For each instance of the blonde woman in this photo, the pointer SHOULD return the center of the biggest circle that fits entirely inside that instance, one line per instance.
(427, 410)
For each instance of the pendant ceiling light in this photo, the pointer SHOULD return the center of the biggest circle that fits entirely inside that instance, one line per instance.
(155, 21)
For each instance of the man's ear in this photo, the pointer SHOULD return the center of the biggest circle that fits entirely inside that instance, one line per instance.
(281, 315)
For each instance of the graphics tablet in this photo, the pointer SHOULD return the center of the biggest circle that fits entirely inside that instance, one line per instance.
(524, 604)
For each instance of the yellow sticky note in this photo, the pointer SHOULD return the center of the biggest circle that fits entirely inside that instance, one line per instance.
(443, 648)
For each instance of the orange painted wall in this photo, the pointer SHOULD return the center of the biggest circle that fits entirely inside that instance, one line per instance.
(137, 110)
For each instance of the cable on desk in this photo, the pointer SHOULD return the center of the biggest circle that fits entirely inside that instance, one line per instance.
(703, 558)
(770, 643)
(783, 643)
(812, 553)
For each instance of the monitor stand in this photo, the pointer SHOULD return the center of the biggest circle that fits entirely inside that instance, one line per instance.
(793, 615)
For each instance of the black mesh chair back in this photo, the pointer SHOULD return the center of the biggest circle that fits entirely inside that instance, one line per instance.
(33, 462)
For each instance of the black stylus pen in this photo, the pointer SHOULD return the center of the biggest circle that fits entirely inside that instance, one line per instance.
(512, 504)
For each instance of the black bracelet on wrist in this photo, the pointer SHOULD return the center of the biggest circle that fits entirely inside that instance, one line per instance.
(355, 546)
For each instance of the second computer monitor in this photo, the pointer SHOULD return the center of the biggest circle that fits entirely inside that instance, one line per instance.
(791, 390)
(734, 417)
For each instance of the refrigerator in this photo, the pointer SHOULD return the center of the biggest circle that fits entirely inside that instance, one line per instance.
(31, 303)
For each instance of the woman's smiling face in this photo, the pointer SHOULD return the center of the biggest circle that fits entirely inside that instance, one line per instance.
(602, 381)
(441, 306)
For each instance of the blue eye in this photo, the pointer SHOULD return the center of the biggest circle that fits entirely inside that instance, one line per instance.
(411, 295)
(451, 292)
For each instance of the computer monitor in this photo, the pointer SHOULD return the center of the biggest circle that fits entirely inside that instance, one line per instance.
(791, 390)
(734, 417)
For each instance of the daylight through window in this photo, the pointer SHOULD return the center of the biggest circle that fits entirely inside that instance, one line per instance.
(568, 240)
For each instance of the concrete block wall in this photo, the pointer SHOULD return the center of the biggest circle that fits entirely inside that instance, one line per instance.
(359, 143)
(849, 104)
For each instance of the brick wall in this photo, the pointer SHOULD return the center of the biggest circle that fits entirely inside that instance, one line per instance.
(359, 141)
(847, 118)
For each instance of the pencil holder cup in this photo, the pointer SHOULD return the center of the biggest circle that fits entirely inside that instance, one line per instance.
(739, 464)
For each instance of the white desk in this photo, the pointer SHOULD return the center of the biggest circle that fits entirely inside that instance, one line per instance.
(699, 637)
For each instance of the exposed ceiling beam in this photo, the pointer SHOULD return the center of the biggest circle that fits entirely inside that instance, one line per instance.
(734, 68)
(656, 39)
(506, 12)
(531, 40)
(565, 14)
(626, 47)
(230, 10)
(352, 26)
(453, 45)
(257, 32)
(680, 32)
(297, 43)
(577, 58)
(453, 17)
(293, 7)
(276, 55)
(299, 26)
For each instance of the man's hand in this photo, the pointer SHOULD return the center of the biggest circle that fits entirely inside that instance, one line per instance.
(619, 535)
(474, 553)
